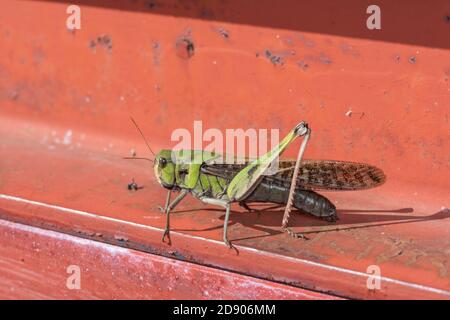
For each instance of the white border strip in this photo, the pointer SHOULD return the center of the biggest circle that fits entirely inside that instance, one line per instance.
(317, 264)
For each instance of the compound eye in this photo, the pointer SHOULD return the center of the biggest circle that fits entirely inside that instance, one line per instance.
(162, 162)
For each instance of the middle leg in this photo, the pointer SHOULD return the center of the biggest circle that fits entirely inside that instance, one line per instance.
(227, 206)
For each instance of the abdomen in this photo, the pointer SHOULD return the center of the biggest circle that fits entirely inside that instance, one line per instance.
(304, 200)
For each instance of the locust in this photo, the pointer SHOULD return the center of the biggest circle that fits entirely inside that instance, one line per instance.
(200, 174)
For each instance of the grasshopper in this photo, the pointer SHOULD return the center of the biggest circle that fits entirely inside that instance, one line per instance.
(197, 172)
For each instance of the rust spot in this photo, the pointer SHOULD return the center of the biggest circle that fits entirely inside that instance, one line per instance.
(275, 59)
(105, 41)
(185, 48)
(120, 238)
(85, 232)
(223, 32)
(349, 49)
(178, 255)
(307, 42)
(303, 65)
(324, 59)
(289, 41)
(156, 49)
(101, 41)
(412, 59)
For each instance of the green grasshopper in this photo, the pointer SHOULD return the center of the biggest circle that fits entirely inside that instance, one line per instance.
(197, 172)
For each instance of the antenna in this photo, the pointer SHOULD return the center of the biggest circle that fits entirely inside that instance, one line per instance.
(138, 158)
(142, 135)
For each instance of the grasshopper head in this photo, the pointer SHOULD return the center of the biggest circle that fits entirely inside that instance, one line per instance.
(165, 169)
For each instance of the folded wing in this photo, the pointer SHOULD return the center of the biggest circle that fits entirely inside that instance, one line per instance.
(314, 174)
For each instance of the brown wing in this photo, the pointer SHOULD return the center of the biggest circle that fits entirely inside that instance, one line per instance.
(333, 175)
(315, 174)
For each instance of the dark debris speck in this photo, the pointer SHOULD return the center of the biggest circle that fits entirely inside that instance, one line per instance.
(133, 186)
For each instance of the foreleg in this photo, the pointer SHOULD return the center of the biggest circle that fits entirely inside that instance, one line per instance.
(169, 206)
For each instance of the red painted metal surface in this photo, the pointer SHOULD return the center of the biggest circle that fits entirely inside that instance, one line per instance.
(65, 99)
(35, 265)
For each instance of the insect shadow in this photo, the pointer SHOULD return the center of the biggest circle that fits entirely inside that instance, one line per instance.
(349, 219)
